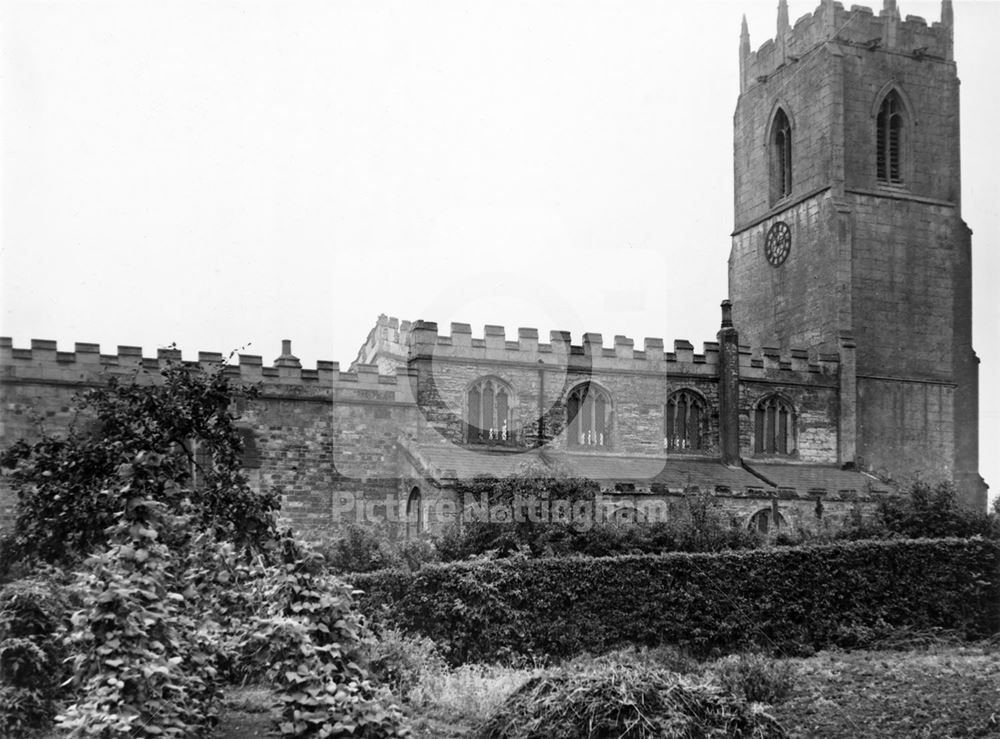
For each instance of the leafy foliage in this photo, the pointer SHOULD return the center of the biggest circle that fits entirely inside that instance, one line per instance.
(315, 646)
(144, 664)
(781, 600)
(31, 655)
(934, 511)
(631, 701)
(67, 496)
(400, 660)
(698, 526)
(535, 486)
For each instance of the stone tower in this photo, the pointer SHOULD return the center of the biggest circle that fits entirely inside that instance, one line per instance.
(848, 232)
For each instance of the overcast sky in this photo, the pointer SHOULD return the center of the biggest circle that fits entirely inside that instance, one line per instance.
(224, 175)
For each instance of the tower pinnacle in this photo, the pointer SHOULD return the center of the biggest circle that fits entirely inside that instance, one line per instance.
(947, 14)
(783, 29)
(744, 53)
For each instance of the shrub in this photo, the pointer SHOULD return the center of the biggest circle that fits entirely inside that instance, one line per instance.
(934, 510)
(143, 665)
(357, 549)
(24, 712)
(782, 599)
(623, 701)
(315, 645)
(534, 484)
(32, 623)
(698, 526)
(225, 584)
(754, 677)
(399, 660)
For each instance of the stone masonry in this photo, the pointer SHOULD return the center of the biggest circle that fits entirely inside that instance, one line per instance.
(842, 371)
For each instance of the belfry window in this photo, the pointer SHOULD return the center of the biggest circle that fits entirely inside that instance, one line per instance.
(889, 140)
(489, 417)
(588, 413)
(685, 419)
(774, 426)
(781, 156)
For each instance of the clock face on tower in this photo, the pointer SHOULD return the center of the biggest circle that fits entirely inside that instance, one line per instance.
(778, 243)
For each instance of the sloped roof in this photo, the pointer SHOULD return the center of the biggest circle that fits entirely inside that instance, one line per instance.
(446, 463)
(805, 478)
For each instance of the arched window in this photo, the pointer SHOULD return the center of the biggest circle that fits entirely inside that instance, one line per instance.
(414, 514)
(685, 421)
(489, 412)
(766, 521)
(780, 145)
(889, 139)
(774, 426)
(588, 415)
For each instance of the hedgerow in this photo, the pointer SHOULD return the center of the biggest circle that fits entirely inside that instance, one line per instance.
(780, 599)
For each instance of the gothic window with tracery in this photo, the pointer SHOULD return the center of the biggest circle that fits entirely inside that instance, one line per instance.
(889, 140)
(685, 421)
(781, 156)
(774, 426)
(489, 413)
(588, 412)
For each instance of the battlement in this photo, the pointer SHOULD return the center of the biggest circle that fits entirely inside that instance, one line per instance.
(860, 26)
(425, 341)
(386, 345)
(43, 363)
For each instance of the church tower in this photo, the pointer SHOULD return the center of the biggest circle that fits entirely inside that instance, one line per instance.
(849, 236)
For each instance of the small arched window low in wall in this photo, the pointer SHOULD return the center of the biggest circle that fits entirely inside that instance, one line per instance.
(766, 521)
(414, 514)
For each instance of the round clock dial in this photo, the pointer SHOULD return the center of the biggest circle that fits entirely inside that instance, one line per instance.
(778, 243)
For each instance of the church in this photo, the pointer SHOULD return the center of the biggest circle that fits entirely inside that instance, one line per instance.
(843, 369)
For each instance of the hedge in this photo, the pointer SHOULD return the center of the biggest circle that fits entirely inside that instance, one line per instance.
(780, 599)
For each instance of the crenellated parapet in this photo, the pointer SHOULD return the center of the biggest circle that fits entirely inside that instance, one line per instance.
(86, 365)
(427, 342)
(859, 26)
(387, 344)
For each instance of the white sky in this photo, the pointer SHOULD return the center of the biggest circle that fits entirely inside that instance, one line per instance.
(226, 174)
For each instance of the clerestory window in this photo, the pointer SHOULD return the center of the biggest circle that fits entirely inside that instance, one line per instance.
(588, 414)
(488, 418)
(774, 426)
(685, 421)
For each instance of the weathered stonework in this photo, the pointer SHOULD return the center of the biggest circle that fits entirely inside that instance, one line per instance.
(840, 371)
(877, 261)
